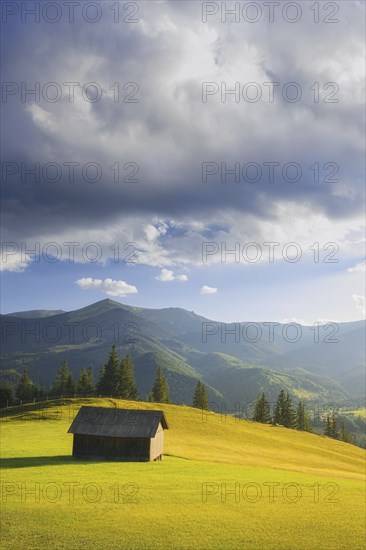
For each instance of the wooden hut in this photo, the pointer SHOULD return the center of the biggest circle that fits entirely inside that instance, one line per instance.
(118, 434)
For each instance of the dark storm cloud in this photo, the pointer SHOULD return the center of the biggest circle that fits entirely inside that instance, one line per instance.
(170, 132)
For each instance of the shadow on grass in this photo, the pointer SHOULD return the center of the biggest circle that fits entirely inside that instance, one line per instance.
(32, 461)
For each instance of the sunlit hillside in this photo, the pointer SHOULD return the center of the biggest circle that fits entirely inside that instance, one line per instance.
(223, 483)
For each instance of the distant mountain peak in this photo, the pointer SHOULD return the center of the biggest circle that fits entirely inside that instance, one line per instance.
(173, 337)
(108, 301)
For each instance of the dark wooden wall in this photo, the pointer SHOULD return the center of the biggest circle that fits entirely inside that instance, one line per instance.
(117, 448)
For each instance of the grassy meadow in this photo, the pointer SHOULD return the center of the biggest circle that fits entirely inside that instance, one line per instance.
(223, 484)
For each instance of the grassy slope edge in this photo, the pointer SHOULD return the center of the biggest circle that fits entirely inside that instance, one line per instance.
(212, 489)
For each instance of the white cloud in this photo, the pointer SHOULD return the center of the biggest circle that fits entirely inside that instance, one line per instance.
(167, 275)
(15, 262)
(108, 286)
(208, 289)
(358, 268)
(154, 231)
(360, 302)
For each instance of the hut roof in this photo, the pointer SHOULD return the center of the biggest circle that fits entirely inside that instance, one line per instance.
(113, 422)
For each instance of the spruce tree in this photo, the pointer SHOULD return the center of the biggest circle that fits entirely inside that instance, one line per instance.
(127, 388)
(280, 409)
(99, 387)
(204, 398)
(262, 410)
(331, 426)
(84, 385)
(289, 413)
(196, 396)
(108, 379)
(24, 390)
(64, 383)
(284, 412)
(160, 390)
(334, 424)
(345, 435)
(70, 384)
(91, 379)
(38, 391)
(302, 418)
(200, 400)
(6, 394)
(328, 427)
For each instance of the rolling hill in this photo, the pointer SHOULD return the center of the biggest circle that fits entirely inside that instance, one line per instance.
(222, 485)
(235, 367)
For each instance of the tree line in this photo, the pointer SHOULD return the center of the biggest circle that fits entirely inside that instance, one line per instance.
(116, 378)
(285, 414)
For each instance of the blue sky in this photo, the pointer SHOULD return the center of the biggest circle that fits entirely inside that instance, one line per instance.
(164, 137)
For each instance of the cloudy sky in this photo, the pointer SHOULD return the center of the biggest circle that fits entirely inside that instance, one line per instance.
(165, 153)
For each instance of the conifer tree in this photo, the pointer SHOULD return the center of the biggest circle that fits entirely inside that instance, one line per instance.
(284, 412)
(328, 427)
(84, 385)
(64, 383)
(302, 418)
(262, 410)
(24, 390)
(127, 388)
(345, 435)
(108, 378)
(290, 413)
(331, 426)
(70, 384)
(6, 393)
(91, 378)
(160, 390)
(204, 398)
(200, 400)
(280, 408)
(196, 395)
(335, 430)
(100, 381)
(38, 391)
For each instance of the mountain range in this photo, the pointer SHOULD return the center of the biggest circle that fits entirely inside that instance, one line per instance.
(236, 361)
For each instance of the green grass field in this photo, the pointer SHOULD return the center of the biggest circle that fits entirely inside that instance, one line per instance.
(223, 484)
